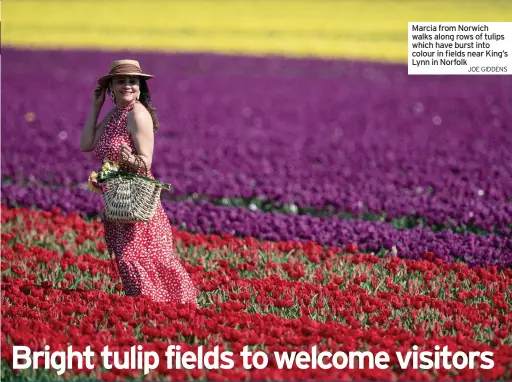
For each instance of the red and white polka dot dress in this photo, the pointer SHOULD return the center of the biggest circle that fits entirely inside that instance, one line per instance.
(144, 251)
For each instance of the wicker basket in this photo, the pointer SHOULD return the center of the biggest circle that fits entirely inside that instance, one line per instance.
(131, 199)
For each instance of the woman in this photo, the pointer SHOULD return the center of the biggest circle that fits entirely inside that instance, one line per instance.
(143, 251)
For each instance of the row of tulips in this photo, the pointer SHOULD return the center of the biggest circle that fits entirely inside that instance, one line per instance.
(217, 262)
(214, 268)
(289, 290)
(270, 295)
(81, 318)
(205, 217)
(420, 315)
(270, 313)
(465, 224)
(70, 234)
(316, 133)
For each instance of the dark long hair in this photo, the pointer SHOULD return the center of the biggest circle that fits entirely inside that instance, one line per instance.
(145, 99)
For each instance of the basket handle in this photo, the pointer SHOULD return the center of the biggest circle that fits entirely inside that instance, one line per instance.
(138, 161)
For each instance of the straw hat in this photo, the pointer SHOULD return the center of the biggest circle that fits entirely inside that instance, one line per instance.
(123, 68)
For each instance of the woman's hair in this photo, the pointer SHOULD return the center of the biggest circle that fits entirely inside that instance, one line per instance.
(145, 99)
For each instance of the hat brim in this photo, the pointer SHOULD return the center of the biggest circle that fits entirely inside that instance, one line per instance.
(103, 80)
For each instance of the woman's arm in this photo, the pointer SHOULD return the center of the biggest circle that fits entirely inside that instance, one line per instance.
(140, 126)
(92, 131)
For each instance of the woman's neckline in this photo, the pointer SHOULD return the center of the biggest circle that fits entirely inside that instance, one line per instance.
(126, 107)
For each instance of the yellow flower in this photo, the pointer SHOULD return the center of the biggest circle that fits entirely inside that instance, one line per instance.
(109, 166)
(90, 183)
(105, 167)
(92, 188)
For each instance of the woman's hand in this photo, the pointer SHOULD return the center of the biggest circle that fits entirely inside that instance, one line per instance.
(126, 155)
(134, 162)
(91, 132)
(98, 97)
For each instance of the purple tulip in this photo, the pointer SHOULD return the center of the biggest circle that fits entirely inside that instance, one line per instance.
(208, 218)
(361, 137)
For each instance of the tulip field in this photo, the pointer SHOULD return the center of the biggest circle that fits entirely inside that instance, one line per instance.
(59, 288)
(328, 202)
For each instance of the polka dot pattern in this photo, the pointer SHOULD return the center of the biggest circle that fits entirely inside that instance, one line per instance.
(144, 251)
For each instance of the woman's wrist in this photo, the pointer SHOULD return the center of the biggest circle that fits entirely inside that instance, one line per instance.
(136, 163)
(132, 163)
(95, 110)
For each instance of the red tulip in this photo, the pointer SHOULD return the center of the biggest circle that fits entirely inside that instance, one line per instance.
(351, 247)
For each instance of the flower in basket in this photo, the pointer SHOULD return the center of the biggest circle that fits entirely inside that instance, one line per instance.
(92, 183)
(109, 166)
(110, 170)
